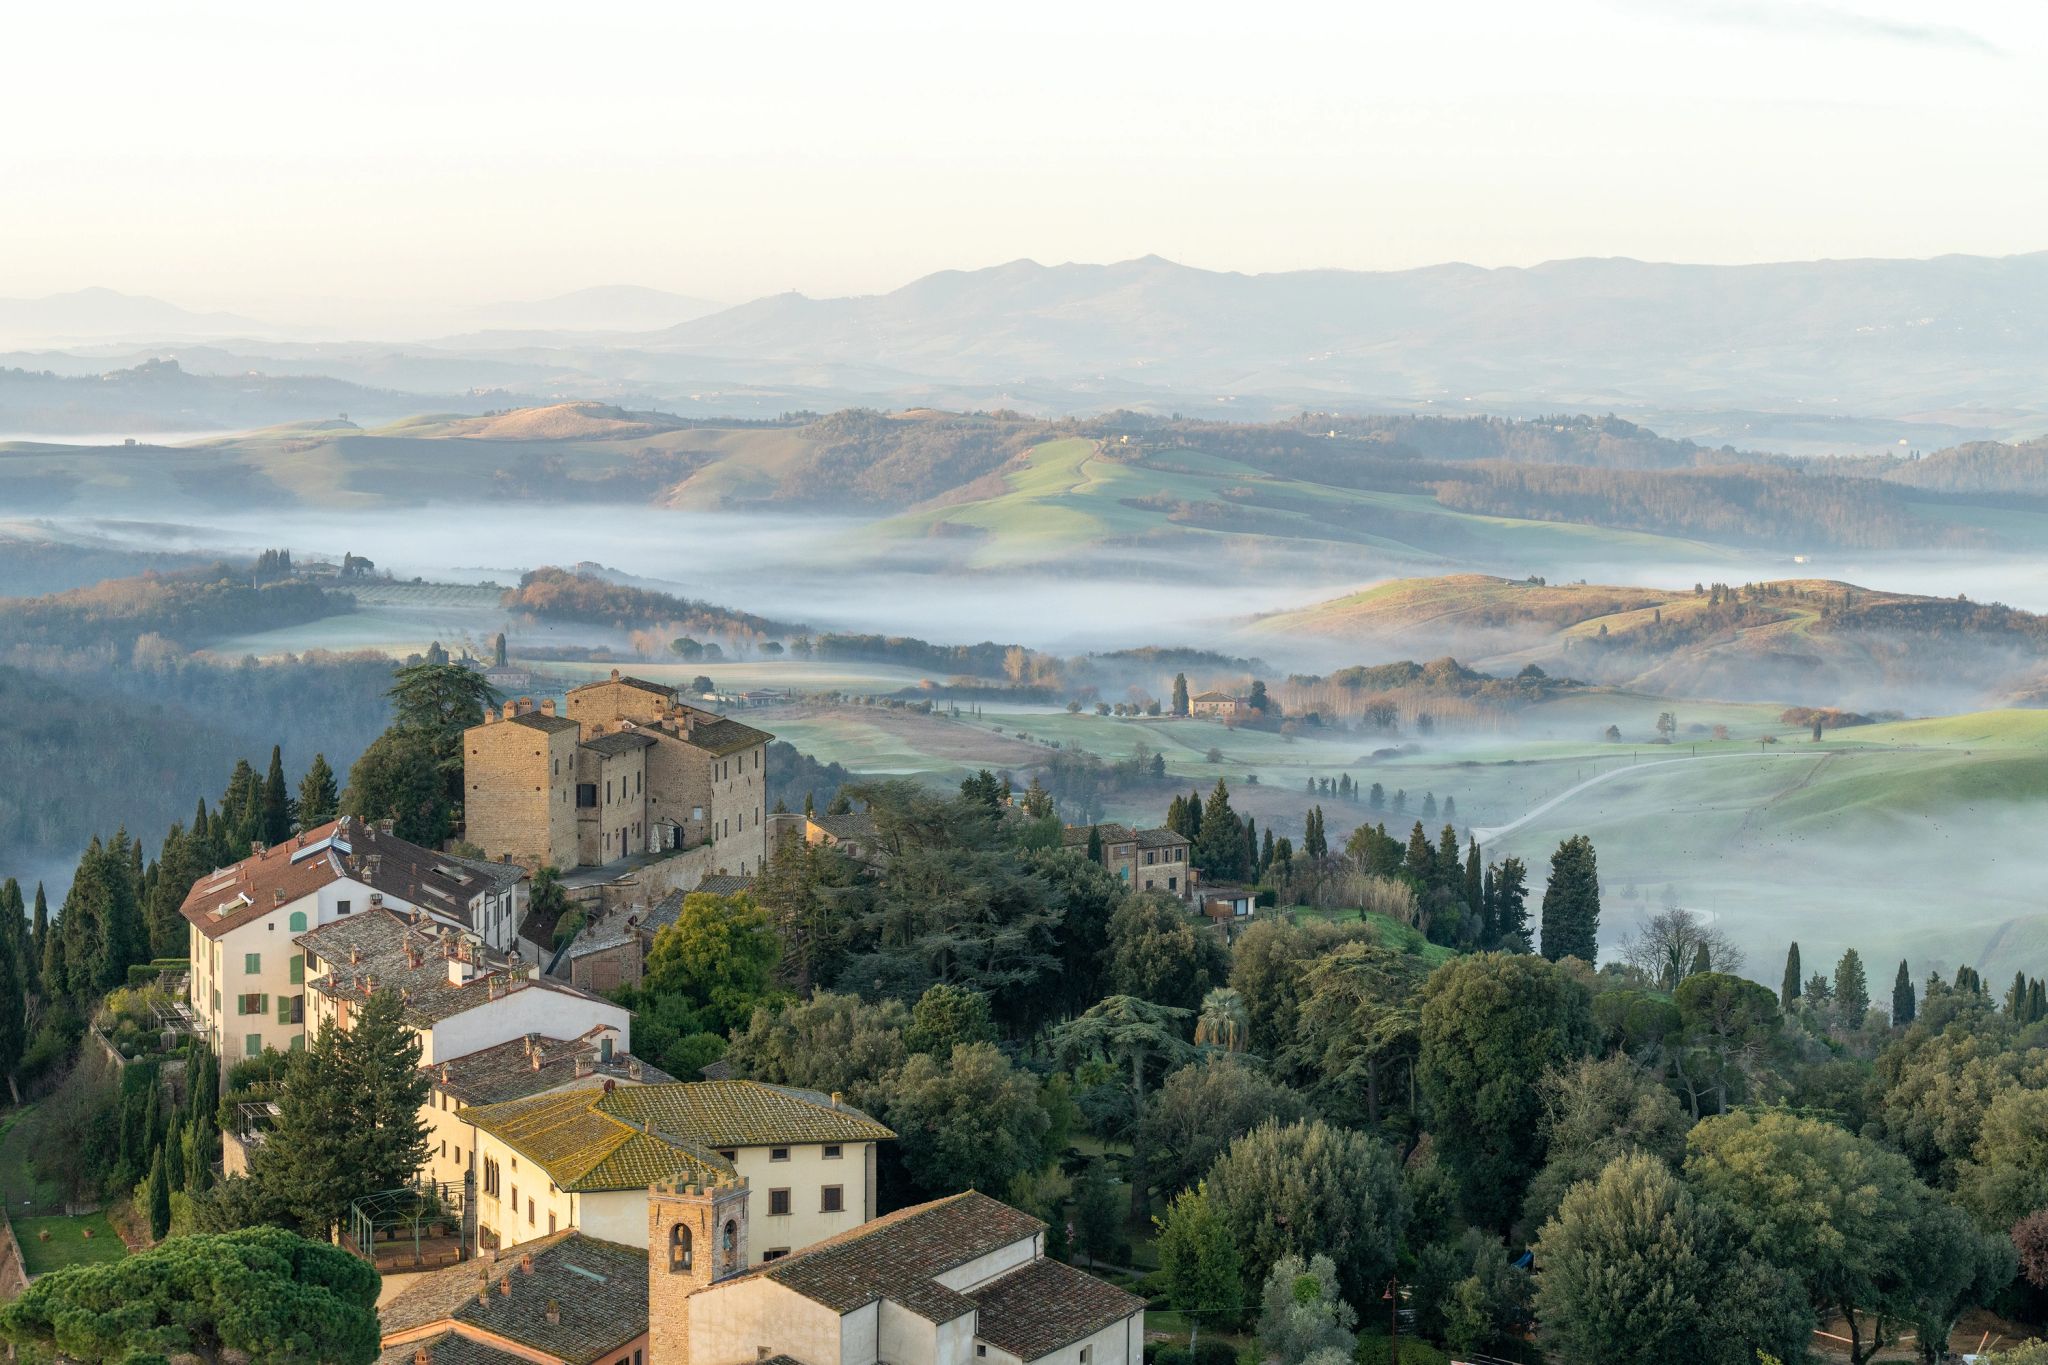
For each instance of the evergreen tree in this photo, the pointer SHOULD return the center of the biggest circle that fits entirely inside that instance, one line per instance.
(40, 933)
(1451, 809)
(1429, 806)
(1251, 847)
(1511, 906)
(499, 656)
(159, 1197)
(1446, 860)
(1266, 853)
(13, 994)
(1376, 799)
(1420, 861)
(319, 796)
(1180, 694)
(277, 801)
(1788, 990)
(1904, 1004)
(1315, 842)
(1095, 844)
(1571, 902)
(1219, 847)
(1475, 897)
(1852, 992)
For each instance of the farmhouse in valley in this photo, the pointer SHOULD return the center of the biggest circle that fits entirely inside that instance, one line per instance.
(1142, 859)
(1218, 706)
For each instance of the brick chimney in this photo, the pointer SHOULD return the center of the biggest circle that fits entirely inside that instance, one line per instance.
(526, 1264)
(554, 1314)
(504, 1286)
(547, 706)
(511, 709)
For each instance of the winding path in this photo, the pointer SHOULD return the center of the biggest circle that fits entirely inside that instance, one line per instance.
(1486, 836)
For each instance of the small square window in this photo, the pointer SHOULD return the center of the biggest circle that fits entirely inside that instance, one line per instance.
(1087, 1354)
(778, 1203)
(832, 1199)
(772, 1254)
(778, 1153)
(831, 1151)
(981, 1350)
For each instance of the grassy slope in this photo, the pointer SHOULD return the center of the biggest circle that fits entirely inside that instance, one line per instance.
(68, 1244)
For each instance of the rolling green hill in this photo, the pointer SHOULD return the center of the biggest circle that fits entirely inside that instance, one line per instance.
(1813, 642)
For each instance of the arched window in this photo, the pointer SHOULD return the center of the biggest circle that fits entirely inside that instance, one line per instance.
(679, 1253)
(298, 921)
(732, 1240)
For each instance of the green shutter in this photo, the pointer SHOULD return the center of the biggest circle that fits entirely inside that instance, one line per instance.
(298, 969)
(284, 1009)
(252, 963)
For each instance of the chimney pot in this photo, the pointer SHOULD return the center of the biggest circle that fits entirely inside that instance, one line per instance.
(511, 709)
(255, 847)
(554, 1313)
(615, 675)
(505, 1286)
(526, 1264)
(277, 895)
(547, 706)
(423, 1356)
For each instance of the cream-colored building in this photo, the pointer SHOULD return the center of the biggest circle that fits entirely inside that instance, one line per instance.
(583, 1158)
(458, 996)
(248, 977)
(960, 1281)
(623, 768)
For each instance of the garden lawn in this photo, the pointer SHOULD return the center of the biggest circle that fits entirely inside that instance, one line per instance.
(68, 1244)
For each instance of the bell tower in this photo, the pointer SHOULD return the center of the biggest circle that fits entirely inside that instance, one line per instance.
(696, 1236)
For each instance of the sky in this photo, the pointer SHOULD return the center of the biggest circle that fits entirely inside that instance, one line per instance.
(369, 164)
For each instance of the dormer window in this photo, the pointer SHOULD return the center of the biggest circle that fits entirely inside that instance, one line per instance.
(681, 1255)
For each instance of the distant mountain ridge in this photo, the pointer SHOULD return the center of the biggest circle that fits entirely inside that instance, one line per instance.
(107, 314)
(1891, 335)
(602, 308)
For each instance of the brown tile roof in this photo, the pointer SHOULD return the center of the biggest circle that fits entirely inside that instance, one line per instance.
(660, 689)
(587, 1139)
(384, 950)
(1215, 696)
(535, 720)
(899, 1255)
(250, 889)
(620, 742)
(1076, 836)
(599, 1289)
(449, 1348)
(857, 824)
(496, 1075)
(1161, 838)
(721, 735)
(1038, 1308)
(718, 884)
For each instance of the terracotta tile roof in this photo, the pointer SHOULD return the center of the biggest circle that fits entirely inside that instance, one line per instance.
(718, 884)
(1038, 1308)
(496, 1075)
(899, 1255)
(449, 1348)
(588, 1139)
(383, 949)
(584, 1149)
(1215, 696)
(599, 1289)
(233, 896)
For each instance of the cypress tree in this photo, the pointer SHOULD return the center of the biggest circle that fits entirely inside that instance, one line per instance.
(159, 1198)
(1095, 843)
(1571, 902)
(1788, 989)
(1420, 862)
(1904, 1005)
(1251, 847)
(13, 1003)
(2016, 998)
(41, 934)
(1376, 798)
(1446, 862)
(1511, 906)
(1180, 694)
(277, 802)
(1475, 896)
(1852, 991)
(1194, 816)
(319, 794)
(1702, 961)
(1266, 852)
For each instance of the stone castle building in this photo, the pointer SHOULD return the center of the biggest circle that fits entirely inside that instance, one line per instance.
(621, 769)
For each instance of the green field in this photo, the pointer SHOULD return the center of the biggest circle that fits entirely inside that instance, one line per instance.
(67, 1245)
(1917, 839)
(1072, 494)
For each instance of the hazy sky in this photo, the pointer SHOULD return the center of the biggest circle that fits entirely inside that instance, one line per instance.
(368, 162)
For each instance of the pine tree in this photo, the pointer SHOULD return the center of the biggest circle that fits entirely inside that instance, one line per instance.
(1852, 991)
(1904, 1005)
(1420, 862)
(1451, 809)
(1376, 799)
(1446, 862)
(1429, 806)
(1788, 990)
(1571, 902)
(319, 794)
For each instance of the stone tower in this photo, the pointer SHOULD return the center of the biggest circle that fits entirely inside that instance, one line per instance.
(696, 1235)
